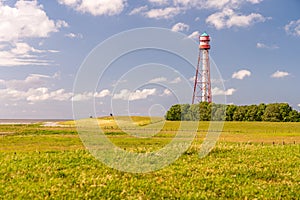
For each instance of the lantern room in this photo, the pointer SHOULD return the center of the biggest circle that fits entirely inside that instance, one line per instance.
(204, 41)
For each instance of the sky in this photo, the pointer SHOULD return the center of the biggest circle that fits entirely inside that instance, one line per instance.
(45, 47)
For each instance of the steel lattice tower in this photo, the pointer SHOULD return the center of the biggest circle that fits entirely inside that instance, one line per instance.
(202, 86)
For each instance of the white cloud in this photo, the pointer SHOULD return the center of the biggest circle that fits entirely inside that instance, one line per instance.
(89, 95)
(217, 91)
(158, 80)
(163, 13)
(96, 7)
(299, 105)
(194, 35)
(34, 89)
(102, 94)
(61, 23)
(26, 19)
(21, 54)
(187, 3)
(159, 2)
(241, 74)
(166, 9)
(82, 97)
(136, 95)
(167, 92)
(35, 94)
(280, 74)
(192, 79)
(217, 4)
(180, 27)
(176, 80)
(254, 1)
(264, 46)
(43, 94)
(213, 4)
(227, 18)
(73, 35)
(138, 10)
(31, 81)
(293, 28)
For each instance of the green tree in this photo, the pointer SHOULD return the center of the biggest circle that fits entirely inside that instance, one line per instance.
(240, 113)
(205, 111)
(194, 112)
(261, 111)
(284, 110)
(272, 113)
(230, 109)
(294, 116)
(174, 113)
(218, 112)
(252, 113)
(185, 112)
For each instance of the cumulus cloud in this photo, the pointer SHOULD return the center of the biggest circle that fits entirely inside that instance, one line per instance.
(35, 94)
(156, 13)
(158, 80)
(74, 35)
(96, 8)
(176, 80)
(280, 74)
(159, 2)
(194, 35)
(299, 105)
(43, 94)
(26, 19)
(89, 95)
(213, 4)
(138, 10)
(241, 74)
(163, 13)
(136, 95)
(293, 28)
(166, 9)
(34, 89)
(21, 54)
(31, 81)
(264, 46)
(227, 18)
(166, 92)
(180, 27)
(217, 91)
(39, 94)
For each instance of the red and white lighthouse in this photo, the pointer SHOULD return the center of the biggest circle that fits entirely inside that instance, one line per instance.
(202, 86)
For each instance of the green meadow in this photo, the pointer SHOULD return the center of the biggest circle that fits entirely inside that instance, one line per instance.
(251, 160)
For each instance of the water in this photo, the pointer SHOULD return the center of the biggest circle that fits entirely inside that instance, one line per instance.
(29, 121)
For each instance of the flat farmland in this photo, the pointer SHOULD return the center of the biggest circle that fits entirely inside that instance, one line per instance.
(250, 160)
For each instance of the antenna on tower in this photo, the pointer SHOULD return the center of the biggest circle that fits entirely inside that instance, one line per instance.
(202, 86)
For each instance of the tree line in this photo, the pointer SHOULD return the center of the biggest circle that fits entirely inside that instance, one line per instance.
(274, 112)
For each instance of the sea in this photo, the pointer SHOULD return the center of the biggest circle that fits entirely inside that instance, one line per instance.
(30, 121)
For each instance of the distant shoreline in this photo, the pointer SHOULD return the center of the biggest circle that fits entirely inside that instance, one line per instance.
(29, 121)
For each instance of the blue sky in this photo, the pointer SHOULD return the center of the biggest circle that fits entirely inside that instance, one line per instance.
(255, 46)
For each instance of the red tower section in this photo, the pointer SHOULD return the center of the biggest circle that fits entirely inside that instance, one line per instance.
(202, 86)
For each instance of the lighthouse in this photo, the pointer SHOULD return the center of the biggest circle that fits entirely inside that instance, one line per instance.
(202, 84)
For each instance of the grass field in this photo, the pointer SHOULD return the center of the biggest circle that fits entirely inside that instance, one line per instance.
(252, 160)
